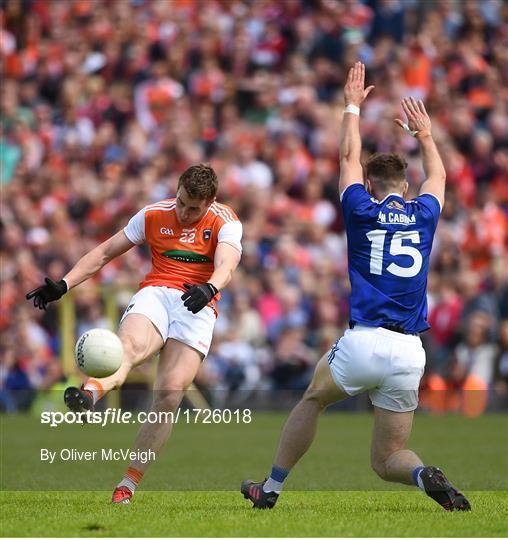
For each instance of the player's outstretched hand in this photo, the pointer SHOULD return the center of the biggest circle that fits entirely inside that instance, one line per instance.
(354, 90)
(53, 290)
(197, 296)
(418, 120)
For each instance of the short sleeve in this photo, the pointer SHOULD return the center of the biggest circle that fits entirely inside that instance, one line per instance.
(135, 229)
(231, 232)
(355, 198)
(430, 205)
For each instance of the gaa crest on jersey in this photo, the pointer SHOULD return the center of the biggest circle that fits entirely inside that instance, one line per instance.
(207, 234)
(395, 205)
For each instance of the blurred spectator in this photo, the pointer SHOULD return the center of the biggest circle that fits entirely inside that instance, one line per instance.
(293, 361)
(474, 355)
(444, 319)
(233, 369)
(501, 366)
(467, 379)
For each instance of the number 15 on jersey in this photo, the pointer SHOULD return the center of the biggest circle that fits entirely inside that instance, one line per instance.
(377, 239)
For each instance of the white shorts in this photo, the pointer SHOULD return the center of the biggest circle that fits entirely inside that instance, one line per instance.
(164, 307)
(387, 364)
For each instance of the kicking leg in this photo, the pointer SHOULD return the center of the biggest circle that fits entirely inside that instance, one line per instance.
(140, 340)
(395, 463)
(177, 368)
(297, 435)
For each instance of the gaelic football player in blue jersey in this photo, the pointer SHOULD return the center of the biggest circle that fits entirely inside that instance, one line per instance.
(389, 244)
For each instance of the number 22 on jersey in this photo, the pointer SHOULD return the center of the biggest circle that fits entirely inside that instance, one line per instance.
(188, 236)
(377, 239)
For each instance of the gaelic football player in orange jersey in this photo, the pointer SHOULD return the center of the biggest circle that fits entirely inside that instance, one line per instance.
(196, 246)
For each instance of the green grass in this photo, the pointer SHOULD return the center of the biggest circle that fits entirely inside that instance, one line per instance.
(318, 513)
(216, 457)
(192, 488)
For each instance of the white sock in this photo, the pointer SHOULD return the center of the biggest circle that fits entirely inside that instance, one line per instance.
(127, 482)
(95, 387)
(420, 483)
(272, 485)
(131, 479)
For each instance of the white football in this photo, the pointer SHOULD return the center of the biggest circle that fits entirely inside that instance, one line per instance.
(98, 353)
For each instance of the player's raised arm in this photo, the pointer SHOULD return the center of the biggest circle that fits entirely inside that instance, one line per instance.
(350, 141)
(85, 268)
(419, 126)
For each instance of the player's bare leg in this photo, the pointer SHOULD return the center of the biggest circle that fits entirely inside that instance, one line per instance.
(389, 457)
(297, 434)
(300, 428)
(395, 463)
(140, 340)
(177, 368)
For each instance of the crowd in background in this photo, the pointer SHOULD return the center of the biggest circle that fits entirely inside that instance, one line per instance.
(104, 103)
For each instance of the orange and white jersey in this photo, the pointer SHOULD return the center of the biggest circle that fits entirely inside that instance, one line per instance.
(182, 254)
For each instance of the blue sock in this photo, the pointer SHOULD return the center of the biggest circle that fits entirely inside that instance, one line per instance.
(416, 476)
(276, 480)
(279, 474)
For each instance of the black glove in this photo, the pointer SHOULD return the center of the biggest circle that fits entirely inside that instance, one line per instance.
(47, 293)
(198, 296)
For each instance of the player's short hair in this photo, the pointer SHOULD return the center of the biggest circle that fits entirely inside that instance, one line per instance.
(199, 181)
(386, 170)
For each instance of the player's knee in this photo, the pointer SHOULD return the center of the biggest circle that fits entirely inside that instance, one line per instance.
(378, 466)
(315, 395)
(167, 400)
(133, 348)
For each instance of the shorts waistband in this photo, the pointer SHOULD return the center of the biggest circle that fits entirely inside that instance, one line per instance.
(392, 327)
(398, 329)
(387, 332)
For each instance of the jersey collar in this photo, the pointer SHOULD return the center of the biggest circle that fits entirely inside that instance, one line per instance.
(391, 195)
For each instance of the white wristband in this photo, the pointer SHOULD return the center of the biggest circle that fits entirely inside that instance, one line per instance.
(353, 109)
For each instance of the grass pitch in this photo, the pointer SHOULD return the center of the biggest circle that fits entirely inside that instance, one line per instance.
(193, 488)
(317, 513)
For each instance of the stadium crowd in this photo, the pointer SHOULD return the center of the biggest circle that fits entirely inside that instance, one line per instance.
(104, 103)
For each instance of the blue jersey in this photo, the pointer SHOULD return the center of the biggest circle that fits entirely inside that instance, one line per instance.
(389, 244)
